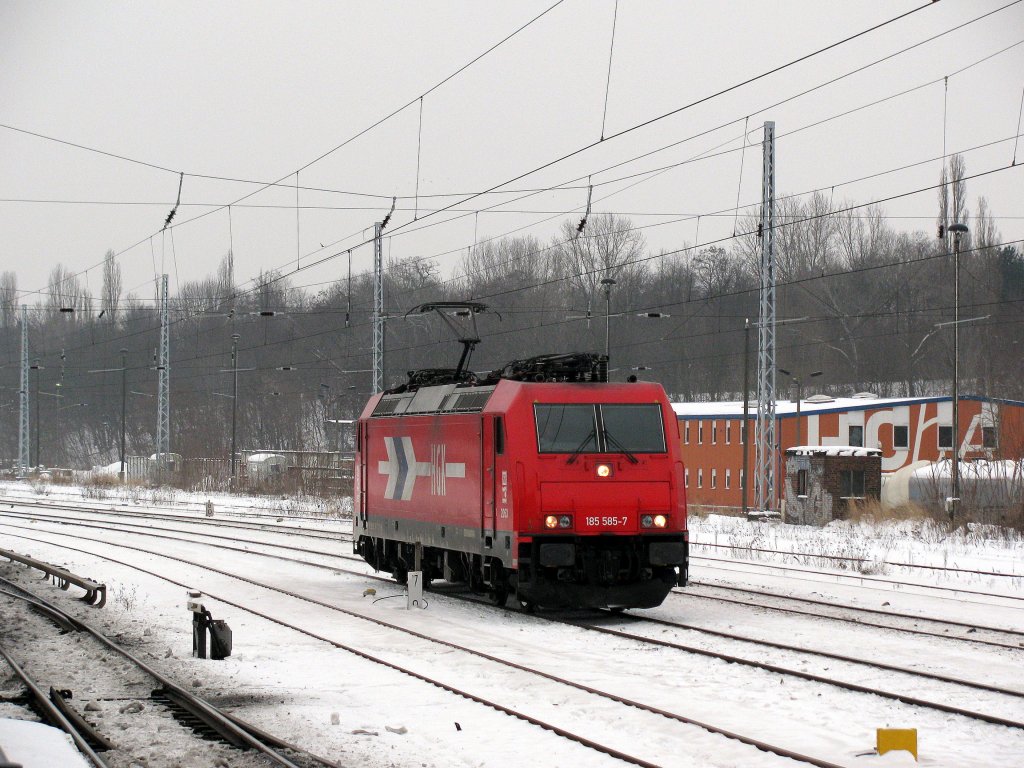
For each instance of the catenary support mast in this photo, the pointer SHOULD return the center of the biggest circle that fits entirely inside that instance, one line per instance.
(378, 308)
(23, 423)
(765, 456)
(163, 369)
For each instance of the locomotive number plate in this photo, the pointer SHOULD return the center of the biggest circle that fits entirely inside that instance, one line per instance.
(605, 521)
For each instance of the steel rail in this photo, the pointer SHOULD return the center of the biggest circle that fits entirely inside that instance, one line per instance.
(996, 630)
(856, 609)
(51, 712)
(856, 560)
(213, 716)
(197, 506)
(824, 654)
(198, 517)
(729, 658)
(793, 569)
(725, 657)
(756, 743)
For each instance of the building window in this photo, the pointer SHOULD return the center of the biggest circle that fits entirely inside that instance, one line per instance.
(743, 478)
(851, 483)
(900, 437)
(700, 478)
(686, 433)
(714, 432)
(989, 439)
(700, 433)
(728, 432)
(801, 482)
(728, 477)
(946, 437)
(857, 436)
(686, 478)
(714, 478)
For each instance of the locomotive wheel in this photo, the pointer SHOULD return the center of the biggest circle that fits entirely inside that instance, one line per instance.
(401, 575)
(498, 590)
(499, 595)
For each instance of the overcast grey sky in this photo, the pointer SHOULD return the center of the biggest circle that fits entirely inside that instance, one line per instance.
(256, 90)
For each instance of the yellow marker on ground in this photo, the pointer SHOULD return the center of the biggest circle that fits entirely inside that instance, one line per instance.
(889, 739)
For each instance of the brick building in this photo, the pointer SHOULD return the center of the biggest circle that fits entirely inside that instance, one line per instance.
(905, 430)
(821, 483)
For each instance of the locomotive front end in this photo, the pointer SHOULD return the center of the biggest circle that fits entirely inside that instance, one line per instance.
(603, 514)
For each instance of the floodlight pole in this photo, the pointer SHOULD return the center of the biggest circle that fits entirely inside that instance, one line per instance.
(607, 283)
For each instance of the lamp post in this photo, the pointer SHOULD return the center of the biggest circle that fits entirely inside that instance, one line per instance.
(954, 502)
(124, 403)
(234, 400)
(36, 367)
(607, 283)
(799, 395)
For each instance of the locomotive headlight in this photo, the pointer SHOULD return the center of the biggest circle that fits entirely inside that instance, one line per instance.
(646, 521)
(660, 521)
(565, 521)
(551, 521)
(604, 470)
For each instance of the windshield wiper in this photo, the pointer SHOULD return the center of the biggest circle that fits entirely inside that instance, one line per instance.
(579, 449)
(609, 439)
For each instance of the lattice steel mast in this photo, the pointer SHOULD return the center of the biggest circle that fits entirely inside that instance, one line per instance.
(764, 477)
(163, 393)
(23, 424)
(378, 308)
(378, 299)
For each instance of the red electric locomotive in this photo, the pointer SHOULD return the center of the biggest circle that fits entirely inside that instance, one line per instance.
(541, 480)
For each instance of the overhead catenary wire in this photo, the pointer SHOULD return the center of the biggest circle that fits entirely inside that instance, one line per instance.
(863, 32)
(1020, 113)
(780, 225)
(608, 80)
(620, 133)
(329, 152)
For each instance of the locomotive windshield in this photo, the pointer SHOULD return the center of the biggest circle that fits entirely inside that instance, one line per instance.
(566, 428)
(605, 428)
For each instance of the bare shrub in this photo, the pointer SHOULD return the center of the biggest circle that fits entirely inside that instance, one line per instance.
(126, 597)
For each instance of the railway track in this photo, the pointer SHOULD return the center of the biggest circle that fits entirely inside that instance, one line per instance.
(584, 741)
(806, 574)
(996, 637)
(795, 673)
(973, 633)
(167, 703)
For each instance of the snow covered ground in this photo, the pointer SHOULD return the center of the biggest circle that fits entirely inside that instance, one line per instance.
(363, 713)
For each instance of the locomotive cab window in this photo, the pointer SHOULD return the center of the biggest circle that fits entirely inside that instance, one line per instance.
(633, 428)
(566, 428)
(607, 428)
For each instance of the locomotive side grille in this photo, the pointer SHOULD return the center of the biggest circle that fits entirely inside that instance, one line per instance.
(386, 407)
(468, 401)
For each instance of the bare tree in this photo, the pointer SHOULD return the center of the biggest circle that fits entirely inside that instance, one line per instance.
(8, 299)
(609, 247)
(110, 296)
(64, 291)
